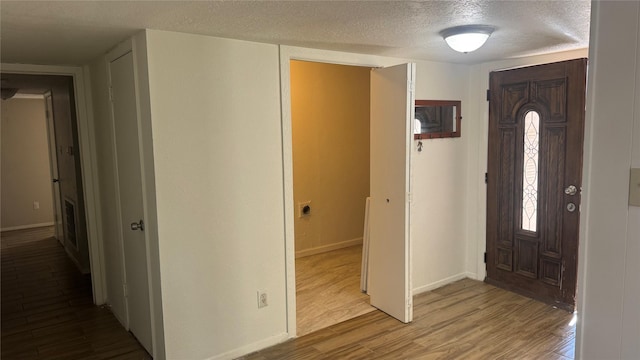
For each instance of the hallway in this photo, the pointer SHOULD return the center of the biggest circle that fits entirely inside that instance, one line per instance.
(47, 306)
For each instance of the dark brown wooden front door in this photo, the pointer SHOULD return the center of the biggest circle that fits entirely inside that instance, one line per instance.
(536, 127)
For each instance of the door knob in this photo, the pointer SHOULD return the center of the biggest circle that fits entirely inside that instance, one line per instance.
(137, 226)
(571, 190)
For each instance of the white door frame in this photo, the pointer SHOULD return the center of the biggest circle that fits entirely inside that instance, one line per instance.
(288, 53)
(53, 169)
(120, 50)
(88, 159)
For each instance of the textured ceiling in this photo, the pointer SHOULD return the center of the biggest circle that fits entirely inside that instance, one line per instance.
(76, 32)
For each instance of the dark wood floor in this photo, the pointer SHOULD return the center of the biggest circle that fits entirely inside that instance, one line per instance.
(464, 320)
(47, 306)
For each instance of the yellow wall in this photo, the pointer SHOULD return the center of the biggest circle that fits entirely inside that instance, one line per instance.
(330, 125)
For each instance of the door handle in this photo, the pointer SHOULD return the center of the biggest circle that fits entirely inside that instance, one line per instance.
(137, 226)
(571, 190)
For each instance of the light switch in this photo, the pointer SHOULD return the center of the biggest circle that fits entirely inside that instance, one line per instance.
(634, 187)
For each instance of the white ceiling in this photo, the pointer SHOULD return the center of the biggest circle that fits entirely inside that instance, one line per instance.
(76, 32)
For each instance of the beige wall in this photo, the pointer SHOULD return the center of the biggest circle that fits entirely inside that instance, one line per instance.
(330, 125)
(26, 176)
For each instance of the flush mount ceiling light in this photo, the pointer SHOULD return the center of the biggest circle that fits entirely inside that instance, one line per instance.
(466, 38)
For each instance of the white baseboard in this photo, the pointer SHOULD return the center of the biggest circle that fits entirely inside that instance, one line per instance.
(330, 247)
(30, 226)
(439, 283)
(248, 349)
(473, 276)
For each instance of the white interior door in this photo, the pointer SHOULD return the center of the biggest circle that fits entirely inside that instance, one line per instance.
(126, 138)
(392, 107)
(53, 165)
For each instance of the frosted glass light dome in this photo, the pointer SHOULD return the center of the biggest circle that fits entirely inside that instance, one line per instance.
(466, 38)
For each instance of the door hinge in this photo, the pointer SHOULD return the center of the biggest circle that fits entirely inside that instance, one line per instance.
(488, 95)
(110, 94)
(486, 178)
(485, 257)
(124, 290)
(409, 197)
(412, 86)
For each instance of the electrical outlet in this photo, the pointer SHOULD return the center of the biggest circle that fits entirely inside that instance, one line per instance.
(36, 205)
(262, 299)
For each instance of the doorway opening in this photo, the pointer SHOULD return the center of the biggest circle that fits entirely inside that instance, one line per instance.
(41, 128)
(330, 107)
(27, 196)
(391, 111)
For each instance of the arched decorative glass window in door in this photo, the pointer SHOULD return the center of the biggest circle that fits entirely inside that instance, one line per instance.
(530, 171)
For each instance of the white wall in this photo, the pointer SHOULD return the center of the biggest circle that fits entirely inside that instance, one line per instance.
(215, 114)
(438, 179)
(609, 269)
(26, 176)
(478, 127)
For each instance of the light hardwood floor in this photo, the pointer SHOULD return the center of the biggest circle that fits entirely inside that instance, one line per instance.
(47, 314)
(47, 305)
(328, 289)
(464, 320)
